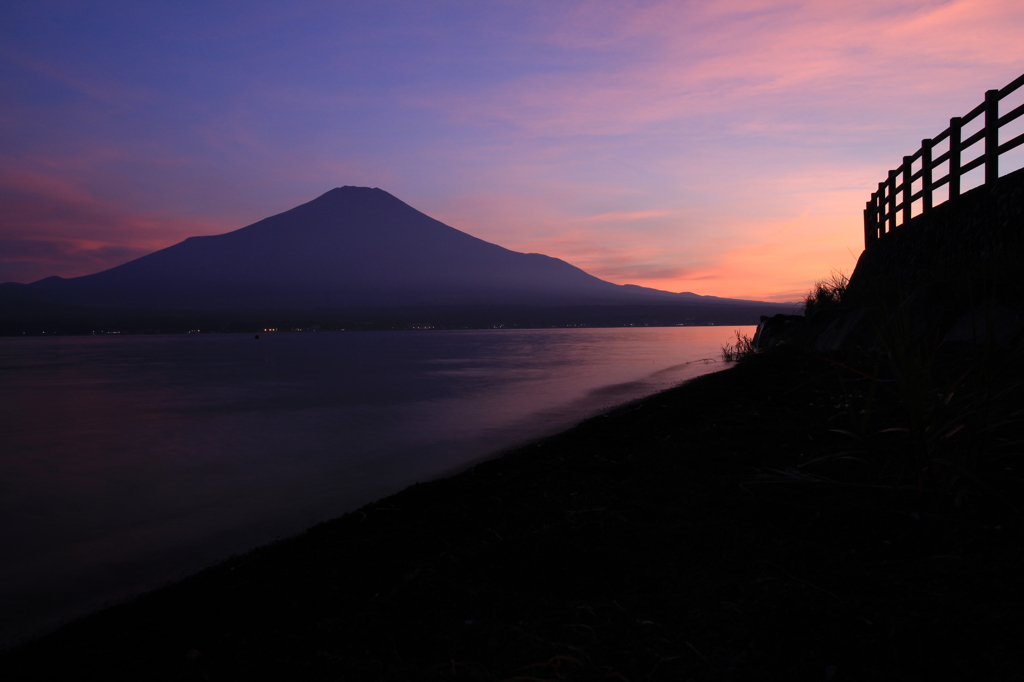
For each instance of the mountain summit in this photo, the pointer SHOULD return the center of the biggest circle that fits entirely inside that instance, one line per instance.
(351, 249)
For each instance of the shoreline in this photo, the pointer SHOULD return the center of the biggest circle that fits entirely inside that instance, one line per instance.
(38, 596)
(649, 542)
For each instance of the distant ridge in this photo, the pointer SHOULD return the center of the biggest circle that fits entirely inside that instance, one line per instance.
(353, 250)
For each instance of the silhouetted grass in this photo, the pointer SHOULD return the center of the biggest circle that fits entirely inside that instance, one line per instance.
(742, 348)
(916, 414)
(827, 293)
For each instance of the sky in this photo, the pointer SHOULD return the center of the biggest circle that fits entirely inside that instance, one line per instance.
(722, 147)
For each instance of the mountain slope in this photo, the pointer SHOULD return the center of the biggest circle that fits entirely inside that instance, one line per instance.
(353, 256)
(352, 247)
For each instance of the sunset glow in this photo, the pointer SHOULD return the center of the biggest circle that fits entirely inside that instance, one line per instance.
(723, 148)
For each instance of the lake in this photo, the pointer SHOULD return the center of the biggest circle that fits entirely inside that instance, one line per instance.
(129, 461)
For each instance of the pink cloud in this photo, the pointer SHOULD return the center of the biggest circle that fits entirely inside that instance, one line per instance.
(681, 61)
(54, 226)
(722, 147)
(737, 83)
(625, 216)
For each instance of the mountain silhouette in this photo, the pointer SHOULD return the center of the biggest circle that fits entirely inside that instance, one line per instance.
(351, 249)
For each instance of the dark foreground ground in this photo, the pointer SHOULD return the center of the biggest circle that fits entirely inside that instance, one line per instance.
(657, 542)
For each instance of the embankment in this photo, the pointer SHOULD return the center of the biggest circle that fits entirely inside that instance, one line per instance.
(656, 542)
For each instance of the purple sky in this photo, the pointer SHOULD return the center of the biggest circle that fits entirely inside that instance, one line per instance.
(723, 148)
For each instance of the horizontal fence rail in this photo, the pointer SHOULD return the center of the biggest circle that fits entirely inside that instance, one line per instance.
(895, 195)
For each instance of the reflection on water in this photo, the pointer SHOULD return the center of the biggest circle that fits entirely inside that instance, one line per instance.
(126, 461)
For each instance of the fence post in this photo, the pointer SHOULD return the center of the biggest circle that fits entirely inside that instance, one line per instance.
(926, 175)
(876, 217)
(870, 234)
(991, 136)
(954, 157)
(908, 189)
(881, 208)
(892, 200)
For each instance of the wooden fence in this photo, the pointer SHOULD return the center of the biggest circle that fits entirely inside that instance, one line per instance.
(895, 195)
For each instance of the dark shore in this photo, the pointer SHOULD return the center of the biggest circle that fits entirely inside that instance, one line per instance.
(657, 542)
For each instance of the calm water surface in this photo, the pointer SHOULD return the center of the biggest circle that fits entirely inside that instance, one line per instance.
(128, 461)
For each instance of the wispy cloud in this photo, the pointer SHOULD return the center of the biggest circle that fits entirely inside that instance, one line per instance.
(724, 147)
(53, 226)
(625, 216)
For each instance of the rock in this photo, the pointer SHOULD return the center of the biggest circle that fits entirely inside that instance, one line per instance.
(857, 329)
(924, 315)
(779, 330)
